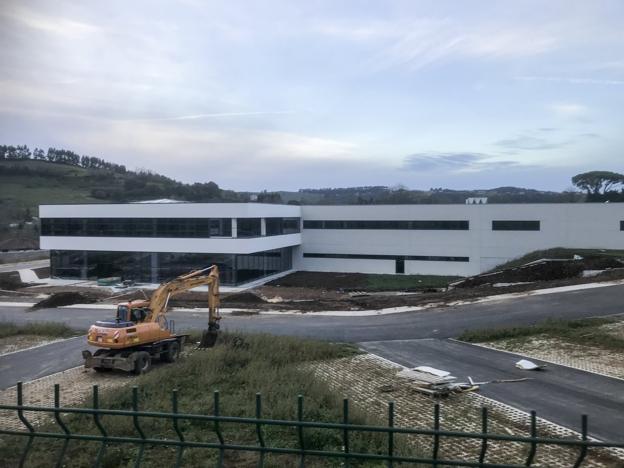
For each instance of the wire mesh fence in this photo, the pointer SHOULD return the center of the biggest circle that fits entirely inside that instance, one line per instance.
(104, 438)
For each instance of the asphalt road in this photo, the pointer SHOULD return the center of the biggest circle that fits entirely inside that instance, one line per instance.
(559, 394)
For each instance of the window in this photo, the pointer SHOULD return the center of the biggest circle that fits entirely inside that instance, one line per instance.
(459, 225)
(621, 225)
(137, 227)
(423, 258)
(515, 225)
(399, 265)
(248, 227)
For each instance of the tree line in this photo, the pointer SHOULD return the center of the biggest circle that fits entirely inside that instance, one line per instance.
(59, 156)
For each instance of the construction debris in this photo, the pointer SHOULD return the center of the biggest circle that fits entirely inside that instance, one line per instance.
(64, 299)
(437, 382)
(525, 364)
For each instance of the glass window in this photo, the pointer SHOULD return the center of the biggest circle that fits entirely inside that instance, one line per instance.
(248, 227)
(459, 225)
(515, 225)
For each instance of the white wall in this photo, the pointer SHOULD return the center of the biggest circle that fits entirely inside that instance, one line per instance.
(578, 225)
(170, 210)
(151, 244)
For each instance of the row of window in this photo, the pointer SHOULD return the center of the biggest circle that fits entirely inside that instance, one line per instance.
(421, 258)
(420, 225)
(424, 225)
(166, 227)
(156, 267)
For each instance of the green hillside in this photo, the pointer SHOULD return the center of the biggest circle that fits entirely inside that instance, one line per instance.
(26, 184)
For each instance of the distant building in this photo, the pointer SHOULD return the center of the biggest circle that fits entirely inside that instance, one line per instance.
(156, 241)
(476, 201)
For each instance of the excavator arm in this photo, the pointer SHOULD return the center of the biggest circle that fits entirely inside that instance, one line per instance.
(208, 276)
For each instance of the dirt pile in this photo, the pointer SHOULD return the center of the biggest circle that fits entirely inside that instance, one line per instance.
(64, 299)
(544, 270)
(11, 281)
(245, 297)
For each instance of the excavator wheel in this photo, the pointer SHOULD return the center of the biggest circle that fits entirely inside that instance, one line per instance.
(142, 363)
(172, 353)
(208, 339)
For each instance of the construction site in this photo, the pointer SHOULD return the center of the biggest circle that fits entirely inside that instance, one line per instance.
(461, 343)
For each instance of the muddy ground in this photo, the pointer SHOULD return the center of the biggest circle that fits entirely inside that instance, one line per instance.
(314, 291)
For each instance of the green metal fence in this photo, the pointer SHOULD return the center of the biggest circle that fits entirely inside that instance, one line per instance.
(391, 458)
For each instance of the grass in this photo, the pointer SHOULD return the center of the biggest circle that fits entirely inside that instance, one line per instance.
(586, 332)
(401, 282)
(51, 329)
(559, 253)
(239, 366)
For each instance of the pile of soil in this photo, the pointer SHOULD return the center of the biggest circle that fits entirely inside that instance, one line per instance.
(11, 281)
(245, 297)
(64, 299)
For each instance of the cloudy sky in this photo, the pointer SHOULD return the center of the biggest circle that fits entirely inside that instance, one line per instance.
(292, 94)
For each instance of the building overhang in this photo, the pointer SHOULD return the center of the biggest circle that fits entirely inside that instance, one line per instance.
(180, 245)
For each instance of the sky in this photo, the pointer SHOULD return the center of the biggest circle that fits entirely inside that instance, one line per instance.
(282, 95)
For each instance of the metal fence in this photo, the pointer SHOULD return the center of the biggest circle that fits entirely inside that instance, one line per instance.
(390, 456)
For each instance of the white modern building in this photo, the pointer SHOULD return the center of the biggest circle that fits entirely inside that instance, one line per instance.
(155, 241)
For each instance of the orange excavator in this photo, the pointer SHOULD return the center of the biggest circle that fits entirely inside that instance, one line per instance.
(141, 332)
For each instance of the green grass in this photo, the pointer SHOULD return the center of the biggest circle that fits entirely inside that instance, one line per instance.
(584, 332)
(401, 282)
(559, 253)
(51, 329)
(239, 366)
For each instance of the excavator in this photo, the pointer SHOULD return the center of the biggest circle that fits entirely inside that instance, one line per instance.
(141, 332)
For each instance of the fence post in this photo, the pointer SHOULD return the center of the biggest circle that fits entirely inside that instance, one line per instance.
(583, 453)
(176, 427)
(59, 421)
(22, 418)
(531, 457)
(259, 428)
(484, 430)
(217, 427)
(135, 421)
(390, 433)
(300, 430)
(436, 435)
(345, 432)
(98, 424)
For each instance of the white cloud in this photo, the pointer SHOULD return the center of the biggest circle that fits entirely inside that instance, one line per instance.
(572, 80)
(56, 25)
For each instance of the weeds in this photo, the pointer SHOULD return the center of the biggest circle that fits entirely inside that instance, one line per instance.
(238, 366)
(36, 328)
(587, 332)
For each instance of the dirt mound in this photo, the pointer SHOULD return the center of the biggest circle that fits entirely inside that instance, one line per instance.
(243, 298)
(64, 299)
(601, 263)
(11, 281)
(546, 270)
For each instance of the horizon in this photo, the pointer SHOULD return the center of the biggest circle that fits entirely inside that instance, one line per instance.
(278, 96)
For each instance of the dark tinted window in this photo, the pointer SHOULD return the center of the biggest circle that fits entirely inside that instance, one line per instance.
(459, 225)
(515, 225)
(248, 227)
(423, 258)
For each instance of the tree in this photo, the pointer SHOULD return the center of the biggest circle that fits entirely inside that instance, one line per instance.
(597, 182)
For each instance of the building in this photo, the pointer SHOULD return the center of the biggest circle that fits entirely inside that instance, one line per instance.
(153, 242)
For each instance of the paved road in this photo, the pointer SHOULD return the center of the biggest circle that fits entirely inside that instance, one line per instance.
(38, 362)
(446, 322)
(559, 394)
(434, 323)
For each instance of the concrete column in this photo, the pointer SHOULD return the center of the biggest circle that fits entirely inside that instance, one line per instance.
(263, 227)
(234, 228)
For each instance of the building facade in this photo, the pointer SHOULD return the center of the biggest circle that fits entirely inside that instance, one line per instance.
(154, 242)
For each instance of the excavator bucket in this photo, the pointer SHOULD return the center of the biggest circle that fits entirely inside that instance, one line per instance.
(208, 339)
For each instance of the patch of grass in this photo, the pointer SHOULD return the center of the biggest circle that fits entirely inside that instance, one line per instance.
(52, 329)
(407, 282)
(584, 332)
(559, 253)
(238, 366)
